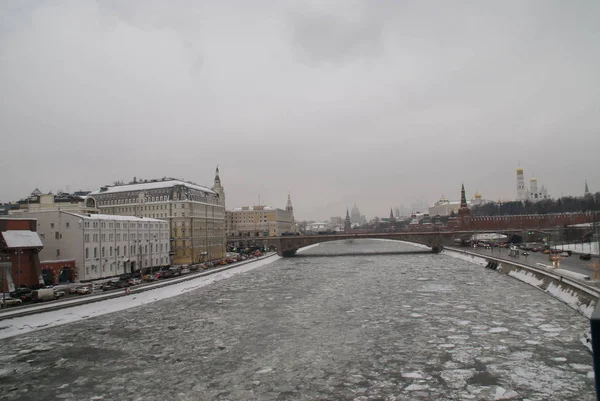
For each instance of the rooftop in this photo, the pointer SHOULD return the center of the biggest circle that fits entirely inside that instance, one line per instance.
(252, 208)
(154, 184)
(115, 217)
(22, 239)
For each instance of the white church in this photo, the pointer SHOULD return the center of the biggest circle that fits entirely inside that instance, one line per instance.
(534, 193)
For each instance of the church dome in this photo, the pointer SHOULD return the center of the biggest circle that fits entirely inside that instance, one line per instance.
(519, 170)
(477, 195)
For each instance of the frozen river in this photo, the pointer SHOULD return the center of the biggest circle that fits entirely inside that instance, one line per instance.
(389, 327)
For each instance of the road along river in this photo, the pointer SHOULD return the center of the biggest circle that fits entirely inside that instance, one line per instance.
(363, 327)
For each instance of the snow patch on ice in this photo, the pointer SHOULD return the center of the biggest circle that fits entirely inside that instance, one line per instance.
(498, 330)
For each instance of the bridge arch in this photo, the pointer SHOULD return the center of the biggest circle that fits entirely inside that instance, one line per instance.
(288, 246)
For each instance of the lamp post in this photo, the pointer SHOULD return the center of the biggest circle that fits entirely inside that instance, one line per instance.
(19, 253)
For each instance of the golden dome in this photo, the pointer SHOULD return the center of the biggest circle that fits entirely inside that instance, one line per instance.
(533, 179)
(477, 195)
(519, 170)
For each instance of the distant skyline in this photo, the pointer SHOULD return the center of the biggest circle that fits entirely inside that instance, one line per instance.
(336, 102)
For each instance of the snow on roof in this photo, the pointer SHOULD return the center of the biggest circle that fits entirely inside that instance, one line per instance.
(149, 185)
(57, 261)
(116, 217)
(252, 209)
(22, 239)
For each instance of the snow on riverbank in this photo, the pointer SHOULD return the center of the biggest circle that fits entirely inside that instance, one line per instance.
(566, 295)
(480, 261)
(26, 324)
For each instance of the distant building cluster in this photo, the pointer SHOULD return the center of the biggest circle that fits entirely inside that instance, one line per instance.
(126, 227)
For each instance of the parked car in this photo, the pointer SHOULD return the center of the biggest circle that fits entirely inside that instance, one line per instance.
(24, 294)
(59, 294)
(585, 256)
(164, 274)
(135, 281)
(84, 290)
(10, 301)
(185, 270)
(149, 277)
(108, 286)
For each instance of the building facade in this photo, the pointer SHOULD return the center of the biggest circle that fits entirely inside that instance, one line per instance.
(196, 214)
(444, 207)
(259, 221)
(39, 202)
(103, 245)
(19, 249)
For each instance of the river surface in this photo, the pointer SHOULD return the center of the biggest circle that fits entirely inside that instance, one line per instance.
(361, 327)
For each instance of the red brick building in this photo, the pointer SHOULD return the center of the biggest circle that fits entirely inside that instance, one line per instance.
(59, 271)
(19, 248)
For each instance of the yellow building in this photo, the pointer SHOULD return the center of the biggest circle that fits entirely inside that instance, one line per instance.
(259, 221)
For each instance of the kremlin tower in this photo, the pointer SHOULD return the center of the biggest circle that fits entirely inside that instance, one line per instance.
(464, 213)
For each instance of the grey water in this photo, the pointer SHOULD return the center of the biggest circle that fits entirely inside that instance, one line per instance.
(357, 327)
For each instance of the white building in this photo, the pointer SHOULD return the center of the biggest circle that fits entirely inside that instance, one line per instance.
(443, 207)
(534, 193)
(103, 245)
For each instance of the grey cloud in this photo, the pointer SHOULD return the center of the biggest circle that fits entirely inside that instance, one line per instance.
(326, 37)
(382, 103)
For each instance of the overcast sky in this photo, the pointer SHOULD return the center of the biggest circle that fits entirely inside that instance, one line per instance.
(381, 103)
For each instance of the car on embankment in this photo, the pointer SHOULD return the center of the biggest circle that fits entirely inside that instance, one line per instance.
(10, 301)
(43, 294)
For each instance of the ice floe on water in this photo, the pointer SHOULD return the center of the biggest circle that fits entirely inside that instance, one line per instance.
(413, 375)
(498, 330)
(550, 328)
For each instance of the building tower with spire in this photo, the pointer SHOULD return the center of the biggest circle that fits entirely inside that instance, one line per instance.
(218, 188)
(347, 223)
(521, 191)
(289, 208)
(587, 190)
(464, 213)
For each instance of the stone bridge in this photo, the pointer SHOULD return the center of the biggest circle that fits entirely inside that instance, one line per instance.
(436, 240)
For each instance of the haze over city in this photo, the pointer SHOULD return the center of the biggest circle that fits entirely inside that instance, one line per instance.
(378, 103)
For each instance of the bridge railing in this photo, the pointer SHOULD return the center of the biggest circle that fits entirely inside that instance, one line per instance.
(595, 327)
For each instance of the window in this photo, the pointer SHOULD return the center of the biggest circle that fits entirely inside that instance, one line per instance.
(103, 253)
(51, 225)
(95, 252)
(57, 253)
(67, 224)
(124, 251)
(87, 253)
(110, 251)
(56, 235)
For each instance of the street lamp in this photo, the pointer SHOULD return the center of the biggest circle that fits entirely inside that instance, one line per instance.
(19, 253)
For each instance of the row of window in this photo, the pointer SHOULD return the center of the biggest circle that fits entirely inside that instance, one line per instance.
(94, 224)
(117, 237)
(117, 250)
(113, 266)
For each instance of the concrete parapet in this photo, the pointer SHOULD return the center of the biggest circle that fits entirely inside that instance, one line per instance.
(579, 296)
